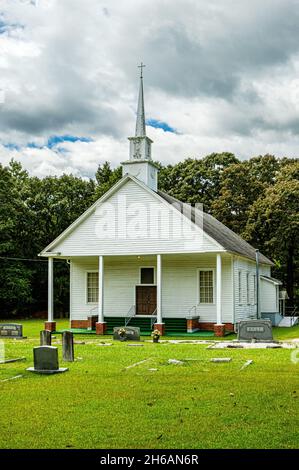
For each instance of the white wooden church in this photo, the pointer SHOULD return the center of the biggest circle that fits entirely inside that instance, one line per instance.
(140, 257)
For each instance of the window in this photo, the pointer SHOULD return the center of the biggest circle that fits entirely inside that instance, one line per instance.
(254, 289)
(92, 287)
(206, 287)
(240, 287)
(147, 276)
(247, 289)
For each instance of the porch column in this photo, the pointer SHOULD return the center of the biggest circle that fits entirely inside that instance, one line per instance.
(219, 328)
(159, 325)
(101, 326)
(50, 324)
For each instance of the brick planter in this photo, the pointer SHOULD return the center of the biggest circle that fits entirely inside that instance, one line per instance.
(50, 326)
(101, 328)
(160, 327)
(192, 324)
(219, 330)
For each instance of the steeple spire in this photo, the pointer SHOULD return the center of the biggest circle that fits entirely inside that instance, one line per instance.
(140, 163)
(140, 121)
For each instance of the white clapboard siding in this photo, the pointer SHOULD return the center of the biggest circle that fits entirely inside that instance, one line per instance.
(179, 285)
(86, 240)
(244, 307)
(269, 294)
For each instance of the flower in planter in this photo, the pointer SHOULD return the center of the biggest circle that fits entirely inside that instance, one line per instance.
(156, 336)
(122, 333)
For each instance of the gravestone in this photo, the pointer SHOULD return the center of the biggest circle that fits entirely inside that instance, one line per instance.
(46, 360)
(11, 330)
(259, 330)
(132, 333)
(68, 346)
(45, 338)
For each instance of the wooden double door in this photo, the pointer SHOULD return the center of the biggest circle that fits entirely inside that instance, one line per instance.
(146, 300)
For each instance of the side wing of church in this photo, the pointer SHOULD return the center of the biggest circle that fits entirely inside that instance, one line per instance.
(139, 257)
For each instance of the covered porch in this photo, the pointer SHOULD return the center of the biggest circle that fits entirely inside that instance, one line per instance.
(176, 294)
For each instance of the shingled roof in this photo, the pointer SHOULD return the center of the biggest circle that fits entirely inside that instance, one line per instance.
(219, 232)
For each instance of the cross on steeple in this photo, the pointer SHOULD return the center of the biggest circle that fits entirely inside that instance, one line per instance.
(141, 66)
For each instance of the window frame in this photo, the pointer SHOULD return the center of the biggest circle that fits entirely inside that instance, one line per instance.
(198, 286)
(248, 288)
(240, 287)
(90, 271)
(147, 267)
(254, 289)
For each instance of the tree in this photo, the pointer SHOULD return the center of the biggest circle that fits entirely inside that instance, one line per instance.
(106, 177)
(273, 225)
(196, 181)
(241, 185)
(15, 277)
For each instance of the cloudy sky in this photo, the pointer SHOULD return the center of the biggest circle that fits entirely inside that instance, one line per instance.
(221, 75)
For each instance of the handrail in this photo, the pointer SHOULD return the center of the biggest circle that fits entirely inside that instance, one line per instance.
(93, 308)
(293, 312)
(154, 318)
(193, 308)
(129, 315)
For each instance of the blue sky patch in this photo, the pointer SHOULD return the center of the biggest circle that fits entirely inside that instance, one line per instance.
(50, 143)
(11, 146)
(58, 139)
(160, 125)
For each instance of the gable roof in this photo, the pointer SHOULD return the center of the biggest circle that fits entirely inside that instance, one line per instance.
(219, 232)
(214, 229)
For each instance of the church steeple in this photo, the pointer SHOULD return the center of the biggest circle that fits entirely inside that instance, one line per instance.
(140, 163)
(140, 145)
(140, 121)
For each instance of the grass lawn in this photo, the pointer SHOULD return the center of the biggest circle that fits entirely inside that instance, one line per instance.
(100, 404)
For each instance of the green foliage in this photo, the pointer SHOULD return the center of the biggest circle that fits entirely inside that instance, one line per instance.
(241, 185)
(196, 181)
(273, 225)
(105, 178)
(257, 198)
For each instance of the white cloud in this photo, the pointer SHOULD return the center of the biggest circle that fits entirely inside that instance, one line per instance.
(224, 74)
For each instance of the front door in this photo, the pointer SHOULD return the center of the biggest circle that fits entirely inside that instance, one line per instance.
(146, 300)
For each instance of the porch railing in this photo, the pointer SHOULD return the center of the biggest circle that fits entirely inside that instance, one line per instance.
(192, 310)
(129, 315)
(94, 308)
(154, 318)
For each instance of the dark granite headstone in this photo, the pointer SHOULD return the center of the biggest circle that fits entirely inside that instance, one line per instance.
(45, 338)
(259, 330)
(46, 360)
(11, 330)
(132, 333)
(68, 346)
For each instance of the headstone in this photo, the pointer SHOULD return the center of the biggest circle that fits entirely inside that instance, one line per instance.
(45, 338)
(258, 330)
(46, 360)
(68, 346)
(11, 330)
(132, 333)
